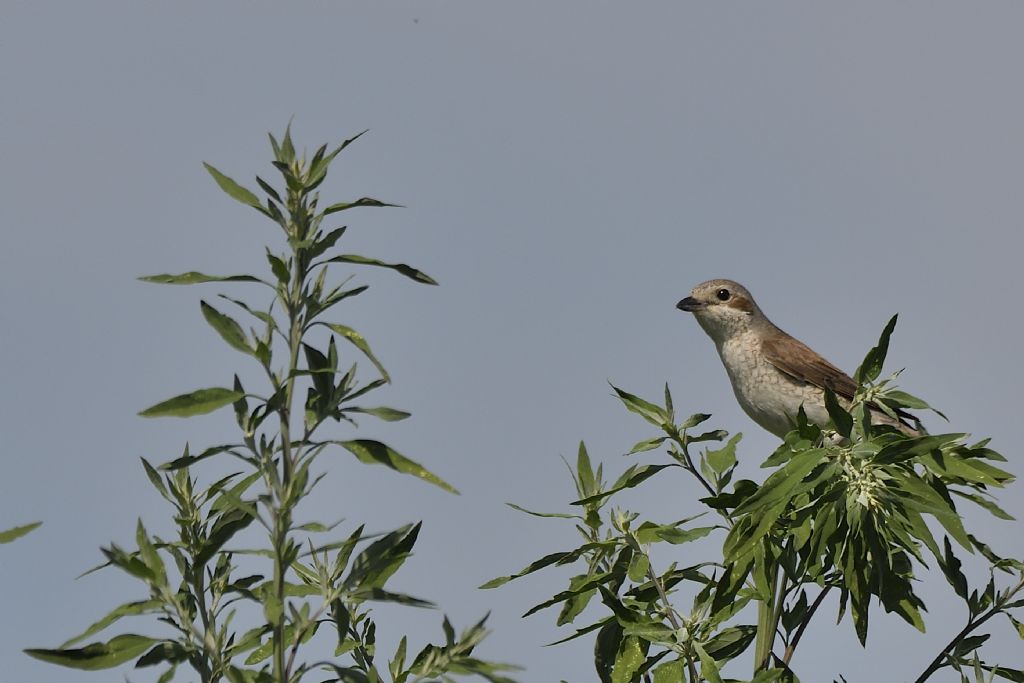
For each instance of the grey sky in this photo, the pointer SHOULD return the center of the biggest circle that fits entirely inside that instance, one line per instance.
(570, 170)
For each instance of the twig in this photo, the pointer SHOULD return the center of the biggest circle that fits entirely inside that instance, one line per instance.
(972, 624)
(670, 611)
(791, 648)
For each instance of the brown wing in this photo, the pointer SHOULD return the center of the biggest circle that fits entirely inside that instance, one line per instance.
(797, 360)
(802, 364)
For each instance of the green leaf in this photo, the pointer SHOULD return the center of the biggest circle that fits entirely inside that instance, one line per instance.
(985, 503)
(656, 415)
(638, 567)
(363, 201)
(229, 330)
(906, 448)
(725, 457)
(708, 666)
(759, 511)
(194, 278)
(9, 535)
(561, 515)
(402, 268)
(677, 536)
(384, 413)
(374, 452)
(647, 445)
(97, 656)
(778, 487)
(875, 358)
(125, 610)
(360, 343)
(1006, 673)
(730, 642)
(382, 558)
(670, 672)
(972, 470)
(925, 499)
(695, 420)
(551, 559)
(198, 402)
(166, 651)
(325, 242)
(380, 595)
(262, 316)
(906, 400)
(1016, 625)
(585, 472)
(968, 645)
(269, 189)
(637, 475)
(574, 606)
(234, 190)
(628, 660)
(187, 459)
(226, 526)
(840, 418)
(149, 556)
(279, 268)
(606, 648)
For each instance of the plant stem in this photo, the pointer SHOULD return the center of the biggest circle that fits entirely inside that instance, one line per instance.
(208, 617)
(972, 624)
(791, 648)
(282, 510)
(669, 610)
(768, 613)
(693, 670)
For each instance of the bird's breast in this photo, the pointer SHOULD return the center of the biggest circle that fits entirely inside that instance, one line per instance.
(770, 397)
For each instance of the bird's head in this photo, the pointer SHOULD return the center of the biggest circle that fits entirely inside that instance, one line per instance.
(722, 307)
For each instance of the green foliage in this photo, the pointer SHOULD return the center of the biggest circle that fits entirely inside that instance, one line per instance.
(9, 535)
(201, 584)
(852, 511)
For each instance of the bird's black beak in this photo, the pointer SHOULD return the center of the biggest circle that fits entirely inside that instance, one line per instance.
(691, 305)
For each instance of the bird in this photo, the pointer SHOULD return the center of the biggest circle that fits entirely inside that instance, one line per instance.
(772, 373)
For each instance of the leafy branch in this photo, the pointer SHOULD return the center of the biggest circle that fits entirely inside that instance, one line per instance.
(204, 591)
(842, 511)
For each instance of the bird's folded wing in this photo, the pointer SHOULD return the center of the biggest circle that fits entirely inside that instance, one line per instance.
(797, 360)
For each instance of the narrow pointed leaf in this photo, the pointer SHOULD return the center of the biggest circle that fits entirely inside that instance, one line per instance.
(9, 535)
(561, 515)
(127, 609)
(402, 268)
(363, 201)
(376, 453)
(640, 475)
(722, 459)
(548, 560)
(840, 418)
(187, 459)
(382, 412)
(360, 343)
(198, 402)
(229, 330)
(234, 190)
(97, 656)
(194, 278)
(875, 358)
(656, 415)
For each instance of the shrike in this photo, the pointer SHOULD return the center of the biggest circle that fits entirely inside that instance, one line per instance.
(772, 373)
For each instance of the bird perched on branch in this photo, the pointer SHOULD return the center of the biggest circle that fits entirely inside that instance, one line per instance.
(772, 373)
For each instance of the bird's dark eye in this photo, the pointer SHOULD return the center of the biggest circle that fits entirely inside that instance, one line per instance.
(723, 294)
